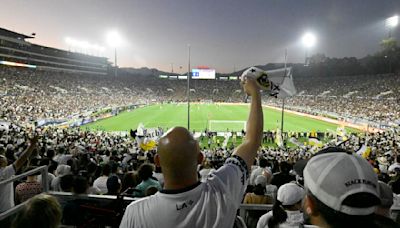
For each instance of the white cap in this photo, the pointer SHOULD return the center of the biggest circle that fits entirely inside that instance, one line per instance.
(290, 194)
(333, 177)
(261, 179)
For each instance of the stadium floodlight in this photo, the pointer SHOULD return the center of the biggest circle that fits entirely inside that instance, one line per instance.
(84, 46)
(98, 48)
(68, 40)
(308, 40)
(72, 43)
(114, 39)
(392, 22)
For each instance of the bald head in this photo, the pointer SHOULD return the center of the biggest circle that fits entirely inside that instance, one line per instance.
(178, 153)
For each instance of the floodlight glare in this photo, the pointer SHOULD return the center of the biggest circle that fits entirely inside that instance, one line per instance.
(68, 40)
(392, 21)
(72, 42)
(95, 47)
(84, 45)
(309, 40)
(113, 39)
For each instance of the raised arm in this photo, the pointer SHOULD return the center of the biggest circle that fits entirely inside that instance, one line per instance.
(27, 153)
(254, 129)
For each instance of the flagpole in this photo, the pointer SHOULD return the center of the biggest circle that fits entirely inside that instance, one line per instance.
(188, 90)
(282, 115)
(283, 103)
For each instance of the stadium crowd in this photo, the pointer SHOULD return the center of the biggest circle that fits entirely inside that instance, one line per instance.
(29, 95)
(102, 163)
(369, 97)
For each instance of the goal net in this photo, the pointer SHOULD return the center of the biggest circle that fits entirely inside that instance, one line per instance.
(226, 125)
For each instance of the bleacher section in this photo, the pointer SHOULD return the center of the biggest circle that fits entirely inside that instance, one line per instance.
(14, 49)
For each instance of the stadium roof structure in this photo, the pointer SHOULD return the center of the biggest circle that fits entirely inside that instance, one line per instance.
(15, 35)
(15, 50)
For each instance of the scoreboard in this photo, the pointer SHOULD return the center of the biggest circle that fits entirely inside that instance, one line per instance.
(203, 73)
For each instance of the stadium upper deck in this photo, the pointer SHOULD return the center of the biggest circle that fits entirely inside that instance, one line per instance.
(14, 49)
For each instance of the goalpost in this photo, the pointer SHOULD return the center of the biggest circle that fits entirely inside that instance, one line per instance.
(224, 125)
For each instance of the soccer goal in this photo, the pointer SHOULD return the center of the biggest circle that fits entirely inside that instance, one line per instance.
(224, 125)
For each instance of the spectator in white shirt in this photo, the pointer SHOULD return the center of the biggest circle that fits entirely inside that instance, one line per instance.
(206, 170)
(61, 171)
(101, 182)
(7, 171)
(262, 169)
(286, 210)
(187, 202)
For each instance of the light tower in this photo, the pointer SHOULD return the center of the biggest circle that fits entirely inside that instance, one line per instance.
(308, 40)
(114, 41)
(389, 44)
(391, 23)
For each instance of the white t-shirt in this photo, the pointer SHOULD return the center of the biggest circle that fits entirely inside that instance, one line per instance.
(294, 219)
(50, 178)
(255, 173)
(212, 203)
(62, 159)
(271, 190)
(101, 183)
(7, 190)
(106, 159)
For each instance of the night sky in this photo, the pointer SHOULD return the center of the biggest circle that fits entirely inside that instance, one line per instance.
(222, 33)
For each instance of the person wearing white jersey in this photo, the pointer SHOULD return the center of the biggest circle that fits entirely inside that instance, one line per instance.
(7, 171)
(286, 210)
(187, 202)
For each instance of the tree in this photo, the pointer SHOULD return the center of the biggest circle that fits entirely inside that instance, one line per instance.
(317, 59)
(391, 53)
(388, 45)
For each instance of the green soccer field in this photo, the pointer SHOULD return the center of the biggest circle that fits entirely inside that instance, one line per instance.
(169, 115)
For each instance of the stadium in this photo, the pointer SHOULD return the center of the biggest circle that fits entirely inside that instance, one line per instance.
(98, 144)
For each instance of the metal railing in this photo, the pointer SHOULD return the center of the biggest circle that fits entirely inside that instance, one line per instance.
(45, 188)
(253, 207)
(245, 208)
(72, 196)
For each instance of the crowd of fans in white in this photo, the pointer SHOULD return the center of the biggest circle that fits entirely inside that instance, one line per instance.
(100, 163)
(368, 97)
(29, 95)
